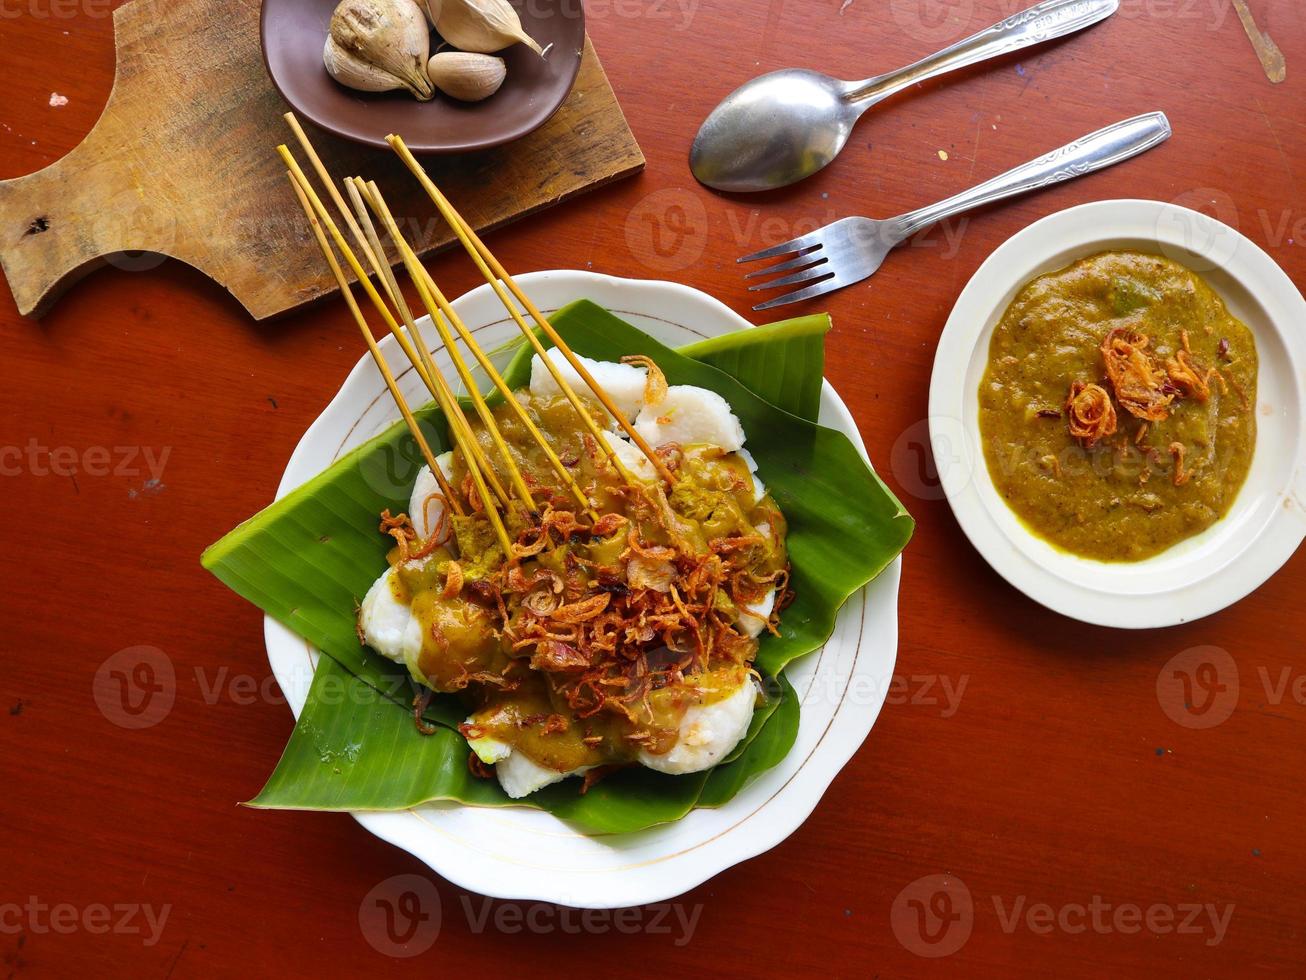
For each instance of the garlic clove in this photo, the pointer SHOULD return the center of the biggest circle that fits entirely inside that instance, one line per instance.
(482, 26)
(369, 41)
(432, 8)
(352, 72)
(466, 76)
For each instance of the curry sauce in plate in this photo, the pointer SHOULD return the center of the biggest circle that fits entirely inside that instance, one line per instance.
(1116, 411)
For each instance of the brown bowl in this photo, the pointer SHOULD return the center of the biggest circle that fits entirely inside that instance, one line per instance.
(295, 31)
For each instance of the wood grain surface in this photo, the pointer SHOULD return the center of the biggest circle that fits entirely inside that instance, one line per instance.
(182, 163)
(1083, 828)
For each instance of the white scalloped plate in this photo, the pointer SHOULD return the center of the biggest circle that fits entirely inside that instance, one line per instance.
(519, 853)
(1267, 521)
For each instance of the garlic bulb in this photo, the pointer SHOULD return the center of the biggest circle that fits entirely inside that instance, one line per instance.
(379, 46)
(483, 26)
(469, 77)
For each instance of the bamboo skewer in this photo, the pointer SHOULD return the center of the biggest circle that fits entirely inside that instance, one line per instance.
(374, 253)
(366, 195)
(494, 272)
(434, 382)
(563, 384)
(373, 248)
(372, 347)
(357, 190)
(509, 398)
(487, 365)
(477, 465)
(415, 270)
(382, 268)
(456, 223)
(359, 274)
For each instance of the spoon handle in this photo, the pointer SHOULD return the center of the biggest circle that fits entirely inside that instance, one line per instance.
(1099, 150)
(1042, 22)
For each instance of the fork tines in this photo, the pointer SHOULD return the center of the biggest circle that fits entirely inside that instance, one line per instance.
(811, 265)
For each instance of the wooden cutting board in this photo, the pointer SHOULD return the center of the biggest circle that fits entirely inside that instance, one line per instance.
(183, 163)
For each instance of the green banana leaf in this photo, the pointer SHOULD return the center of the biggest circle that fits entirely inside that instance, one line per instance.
(309, 557)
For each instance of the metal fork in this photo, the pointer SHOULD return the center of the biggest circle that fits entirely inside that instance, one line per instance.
(852, 249)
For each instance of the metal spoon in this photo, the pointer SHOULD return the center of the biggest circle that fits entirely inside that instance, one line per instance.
(782, 127)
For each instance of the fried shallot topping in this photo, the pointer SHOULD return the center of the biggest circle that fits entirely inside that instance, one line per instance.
(1090, 414)
(596, 613)
(1181, 475)
(607, 636)
(655, 382)
(1188, 377)
(1140, 386)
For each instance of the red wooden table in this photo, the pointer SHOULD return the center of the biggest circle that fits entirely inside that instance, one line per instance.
(1084, 822)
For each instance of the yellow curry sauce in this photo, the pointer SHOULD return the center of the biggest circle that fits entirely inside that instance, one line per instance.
(1117, 409)
(522, 672)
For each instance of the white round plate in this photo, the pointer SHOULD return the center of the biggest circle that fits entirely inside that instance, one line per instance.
(520, 853)
(1198, 576)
